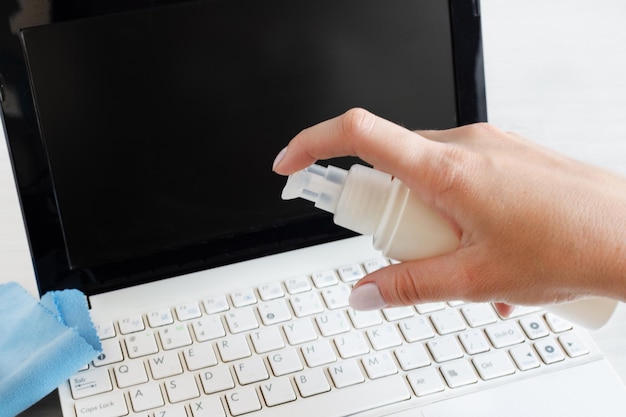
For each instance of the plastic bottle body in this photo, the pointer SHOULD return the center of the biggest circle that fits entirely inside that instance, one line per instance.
(410, 229)
(404, 228)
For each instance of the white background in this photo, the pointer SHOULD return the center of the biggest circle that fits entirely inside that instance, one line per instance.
(556, 73)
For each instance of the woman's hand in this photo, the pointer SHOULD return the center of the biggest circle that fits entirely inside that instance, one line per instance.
(535, 227)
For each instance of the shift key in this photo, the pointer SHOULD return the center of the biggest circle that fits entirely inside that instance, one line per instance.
(105, 405)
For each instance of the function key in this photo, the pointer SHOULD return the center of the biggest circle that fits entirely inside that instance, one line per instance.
(324, 279)
(160, 318)
(131, 324)
(271, 291)
(243, 297)
(350, 273)
(298, 285)
(216, 304)
(375, 264)
(105, 330)
(188, 311)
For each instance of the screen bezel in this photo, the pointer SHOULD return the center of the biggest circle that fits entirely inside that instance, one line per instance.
(52, 268)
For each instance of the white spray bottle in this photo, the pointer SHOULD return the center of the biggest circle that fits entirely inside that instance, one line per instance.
(403, 227)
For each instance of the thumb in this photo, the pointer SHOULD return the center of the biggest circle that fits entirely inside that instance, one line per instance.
(435, 279)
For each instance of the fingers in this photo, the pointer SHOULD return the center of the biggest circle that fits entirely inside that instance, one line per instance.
(433, 279)
(357, 133)
(504, 309)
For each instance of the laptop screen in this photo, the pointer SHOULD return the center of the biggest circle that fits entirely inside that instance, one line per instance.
(160, 126)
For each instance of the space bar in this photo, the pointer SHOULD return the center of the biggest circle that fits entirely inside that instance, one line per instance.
(347, 401)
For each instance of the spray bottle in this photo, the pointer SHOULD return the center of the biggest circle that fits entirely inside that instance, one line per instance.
(403, 227)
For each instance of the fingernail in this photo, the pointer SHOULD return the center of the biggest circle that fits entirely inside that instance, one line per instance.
(366, 297)
(279, 158)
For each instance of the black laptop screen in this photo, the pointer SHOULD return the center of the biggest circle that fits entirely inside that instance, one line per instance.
(160, 126)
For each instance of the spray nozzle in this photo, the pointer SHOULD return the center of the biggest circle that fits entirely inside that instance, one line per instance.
(321, 185)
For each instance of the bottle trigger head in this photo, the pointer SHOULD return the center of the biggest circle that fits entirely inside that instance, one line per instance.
(318, 184)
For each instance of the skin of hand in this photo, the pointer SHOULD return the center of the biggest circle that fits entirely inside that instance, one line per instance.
(535, 227)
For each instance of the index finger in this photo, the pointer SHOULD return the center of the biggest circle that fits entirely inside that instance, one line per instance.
(389, 147)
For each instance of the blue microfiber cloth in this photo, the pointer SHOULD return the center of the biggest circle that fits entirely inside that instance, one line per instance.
(42, 344)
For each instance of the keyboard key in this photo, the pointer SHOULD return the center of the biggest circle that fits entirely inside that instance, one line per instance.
(171, 411)
(271, 291)
(379, 365)
(298, 285)
(493, 364)
(165, 364)
(216, 379)
(300, 331)
(285, 362)
(267, 340)
(145, 397)
(429, 307)
(181, 388)
(412, 356)
(250, 370)
(474, 342)
(331, 324)
(549, 351)
(458, 373)
(105, 405)
(351, 344)
(207, 407)
(91, 382)
(277, 391)
(175, 336)
(243, 400)
(307, 304)
(534, 326)
(274, 311)
(324, 279)
(208, 328)
(111, 353)
(384, 337)
(504, 334)
(141, 344)
(188, 311)
(363, 319)
(318, 353)
(558, 324)
(160, 318)
(241, 320)
(216, 304)
(444, 349)
(478, 315)
(312, 382)
(346, 373)
(233, 347)
(105, 330)
(336, 297)
(425, 381)
(524, 357)
(351, 273)
(447, 321)
(242, 298)
(416, 328)
(131, 324)
(130, 373)
(398, 313)
(200, 355)
(573, 345)
(375, 264)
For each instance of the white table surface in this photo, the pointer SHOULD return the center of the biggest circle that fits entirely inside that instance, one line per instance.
(556, 73)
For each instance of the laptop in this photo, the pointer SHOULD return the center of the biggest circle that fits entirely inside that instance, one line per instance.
(143, 161)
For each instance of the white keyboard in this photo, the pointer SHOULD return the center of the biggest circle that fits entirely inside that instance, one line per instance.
(284, 347)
